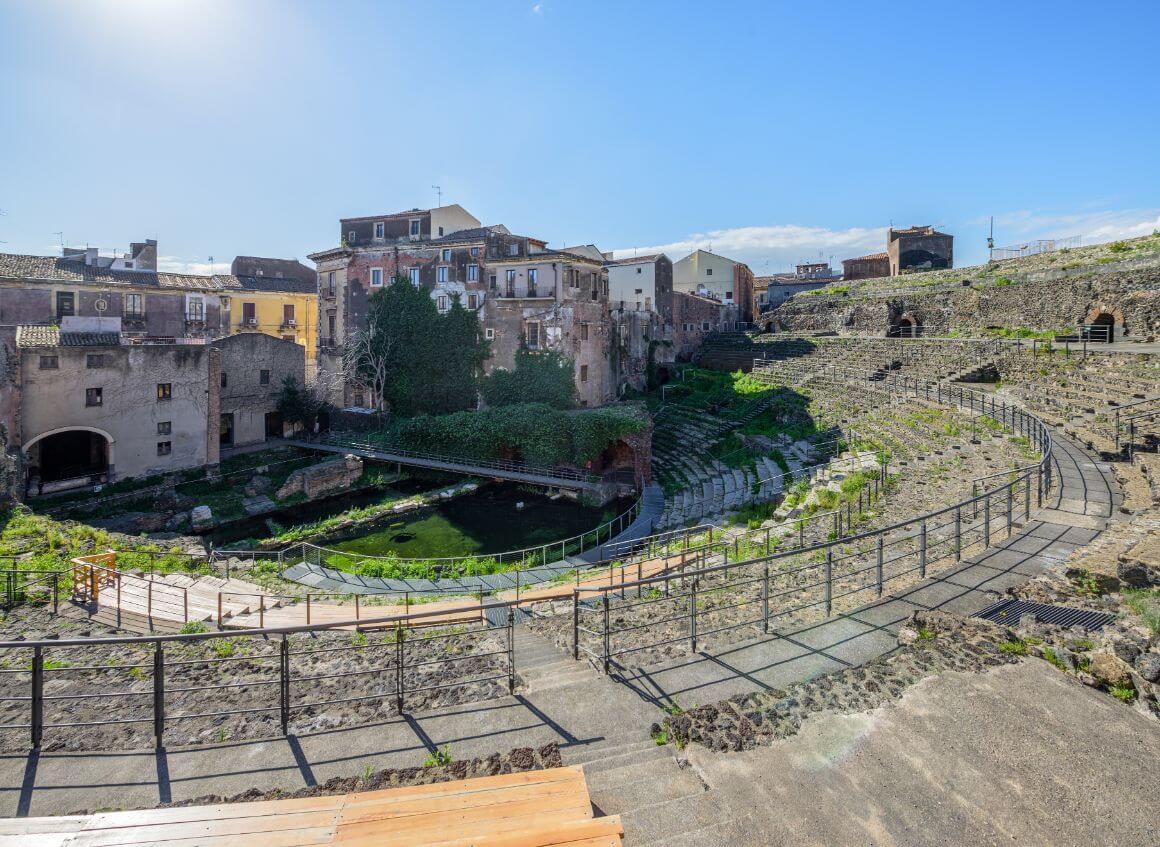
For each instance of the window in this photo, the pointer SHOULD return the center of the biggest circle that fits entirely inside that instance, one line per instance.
(94, 397)
(414, 274)
(290, 338)
(472, 273)
(195, 309)
(513, 249)
(573, 278)
(95, 360)
(648, 304)
(583, 373)
(330, 283)
(704, 326)
(249, 314)
(441, 230)
(583, 332)
(164, 448)
(288, 314)
(49, 363)
(442, 273)
(446, 255)
(533, 276)
(164, 391)
(65, 304)
(164, 427)
(263, 377)
(330, 328)
(351, 237)
(491, 282)
(638, 270)
(134, 308)
(376, 276)
(380, 229)
(415, 228)
(129, 266)
(510, 276)
(729, 296)
(473, 301)
(640, 291)
(474, 252)
(441, 303)
(225, 381)
(533, 334)
(708, 271)
(489, 333)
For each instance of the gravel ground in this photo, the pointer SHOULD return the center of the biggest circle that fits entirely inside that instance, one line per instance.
(324, 666)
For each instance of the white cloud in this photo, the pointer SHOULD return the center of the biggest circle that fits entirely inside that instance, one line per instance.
(771, 248)
(1091, 227)
(175, 264)
(538, 9)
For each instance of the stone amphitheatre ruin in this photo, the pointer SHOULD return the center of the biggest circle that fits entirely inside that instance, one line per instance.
(936, 619)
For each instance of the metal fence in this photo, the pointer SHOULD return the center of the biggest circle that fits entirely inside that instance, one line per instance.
(782, 586)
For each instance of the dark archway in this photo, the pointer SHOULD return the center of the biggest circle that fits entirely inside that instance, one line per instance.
(921, 260)
(1102, 328)
(71, 454)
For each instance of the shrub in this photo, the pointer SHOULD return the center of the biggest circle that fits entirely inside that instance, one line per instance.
(192, 628)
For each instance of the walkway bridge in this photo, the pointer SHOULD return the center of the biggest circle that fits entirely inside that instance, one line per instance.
(514, 471)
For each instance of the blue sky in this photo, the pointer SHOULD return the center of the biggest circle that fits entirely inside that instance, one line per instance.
(773, 131)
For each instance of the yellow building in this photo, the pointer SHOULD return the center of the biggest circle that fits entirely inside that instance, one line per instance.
(276, 307)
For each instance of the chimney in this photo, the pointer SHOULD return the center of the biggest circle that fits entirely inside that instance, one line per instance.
(144, 255)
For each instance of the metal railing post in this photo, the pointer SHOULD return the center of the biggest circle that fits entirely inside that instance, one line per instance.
(284, 679)
(1027, 497)
(693, 616)
(400, 636)
(37, 702)
(958, 533)
(922, 550)
(575, 624)
(765, 600)
(607, 652)
(878, 566)
(829, 580)
(159, 696)
(987, 521)
(511, 649)
(1010, 506)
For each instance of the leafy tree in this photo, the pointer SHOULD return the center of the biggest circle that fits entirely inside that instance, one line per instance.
(412, 359)
(538, 377)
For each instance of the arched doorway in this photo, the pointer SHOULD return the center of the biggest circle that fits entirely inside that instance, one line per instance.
(1102, 328)
(908, 327)
(68, 458)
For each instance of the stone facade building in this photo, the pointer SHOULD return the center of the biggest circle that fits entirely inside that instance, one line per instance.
(450, 254)
(919, 248)
(870, 266)
(694, 318)
(93, 409)
(129, 296)
(253, 368)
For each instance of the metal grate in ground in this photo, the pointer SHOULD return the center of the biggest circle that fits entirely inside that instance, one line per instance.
(1008, 612)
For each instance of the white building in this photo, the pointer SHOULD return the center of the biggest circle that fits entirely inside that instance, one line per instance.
(639, 283)
(705, 273)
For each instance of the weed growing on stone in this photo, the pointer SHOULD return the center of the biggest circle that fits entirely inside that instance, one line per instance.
(1053, 658)
(359, 639)
(1123, 693)
(224, 647)
(192, 628)
(1013, 648)
(439, 757)
(1145, 602)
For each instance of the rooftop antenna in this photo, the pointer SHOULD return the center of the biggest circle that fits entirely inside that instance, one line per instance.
(61, 234)
(991, 240)
(438, 196)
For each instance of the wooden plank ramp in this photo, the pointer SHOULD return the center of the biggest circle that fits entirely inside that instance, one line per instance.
(527, 809)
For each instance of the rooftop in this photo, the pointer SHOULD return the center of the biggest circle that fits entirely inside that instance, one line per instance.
(16, 266)
(867, 256)
(48, 335)
(636, 260)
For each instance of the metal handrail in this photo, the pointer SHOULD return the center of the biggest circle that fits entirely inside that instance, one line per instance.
(513, 467)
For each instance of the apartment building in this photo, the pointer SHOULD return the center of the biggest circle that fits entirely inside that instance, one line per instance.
(640, 283)
(449, 253)
(709, 275)
(129, 296)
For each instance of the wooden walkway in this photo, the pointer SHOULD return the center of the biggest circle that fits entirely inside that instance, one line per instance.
(530, 809)
(122, 599)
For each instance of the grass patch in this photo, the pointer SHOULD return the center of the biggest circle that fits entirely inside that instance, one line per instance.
(1013, 648)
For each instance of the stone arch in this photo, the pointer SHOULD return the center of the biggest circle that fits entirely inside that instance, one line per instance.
(69, 454)
(906, 325)
(1104, 324)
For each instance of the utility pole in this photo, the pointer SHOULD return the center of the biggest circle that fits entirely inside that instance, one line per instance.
(438, 195)
(991, 241)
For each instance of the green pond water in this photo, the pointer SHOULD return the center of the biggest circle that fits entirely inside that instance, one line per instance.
(488, 521)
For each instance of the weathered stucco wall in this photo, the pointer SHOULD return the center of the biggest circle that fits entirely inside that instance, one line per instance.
(244, 394)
